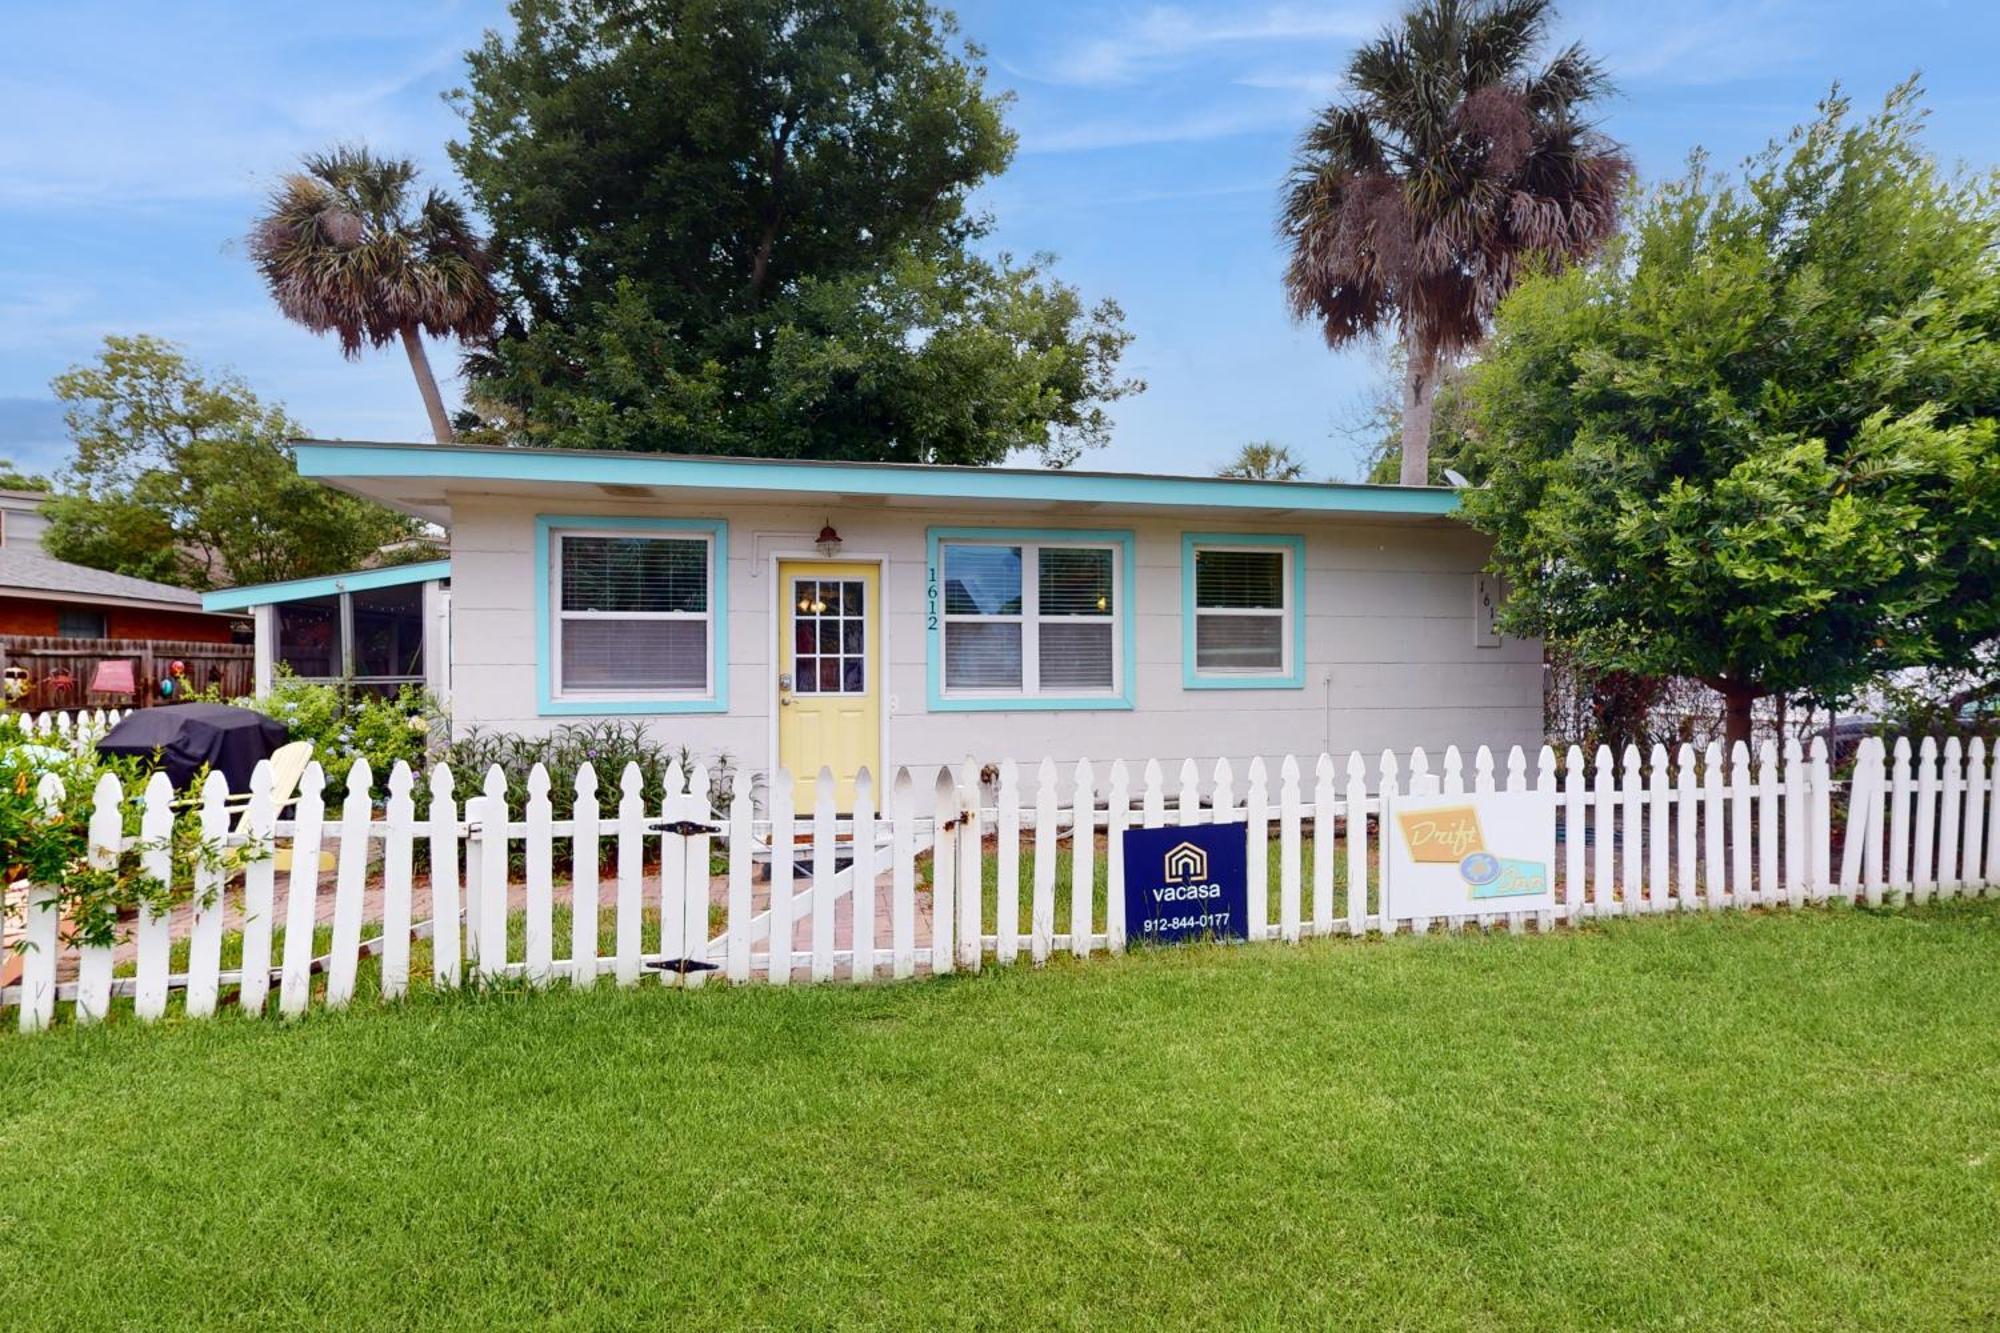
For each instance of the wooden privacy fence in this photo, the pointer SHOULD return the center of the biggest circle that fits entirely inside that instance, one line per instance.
(61, 669)
(661, 884)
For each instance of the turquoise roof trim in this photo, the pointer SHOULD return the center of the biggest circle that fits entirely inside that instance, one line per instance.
(920, 481)
(297, 590)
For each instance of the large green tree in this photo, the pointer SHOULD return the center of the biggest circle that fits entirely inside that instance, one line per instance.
(742, 226)
(187, 478)
(1454, 164)
(1756, 445)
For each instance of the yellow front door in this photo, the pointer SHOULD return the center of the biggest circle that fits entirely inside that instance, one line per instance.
(830, 675)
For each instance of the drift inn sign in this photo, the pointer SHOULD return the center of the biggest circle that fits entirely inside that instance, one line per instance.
(1453, 856)
(1186, 884)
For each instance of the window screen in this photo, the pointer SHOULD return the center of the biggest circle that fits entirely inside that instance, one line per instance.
(389, 633)
(309, 638)
(1241, 597)
(633, 614)
(75, 622)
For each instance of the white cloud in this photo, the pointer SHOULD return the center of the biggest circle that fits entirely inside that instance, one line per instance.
(1720, 41)
(1197, 126)
(169, 111)
(1318, 84)
(1168, 35)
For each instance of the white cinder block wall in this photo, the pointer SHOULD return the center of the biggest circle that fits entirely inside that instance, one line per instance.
(1391, 657)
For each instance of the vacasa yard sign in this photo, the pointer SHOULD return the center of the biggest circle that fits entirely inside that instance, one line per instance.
(1185, 884)
(1464, 855)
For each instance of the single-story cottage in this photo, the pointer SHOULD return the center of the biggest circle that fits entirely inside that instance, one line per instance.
(807, 613)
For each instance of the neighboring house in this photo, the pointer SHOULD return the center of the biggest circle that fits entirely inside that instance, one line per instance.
(61, 623)
(851, 614)
(44, 596)
(372, 629)
(21, 521)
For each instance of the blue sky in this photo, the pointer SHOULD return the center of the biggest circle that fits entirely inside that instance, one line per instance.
(141, 138)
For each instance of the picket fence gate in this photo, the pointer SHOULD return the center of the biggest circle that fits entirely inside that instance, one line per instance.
(1637, 837)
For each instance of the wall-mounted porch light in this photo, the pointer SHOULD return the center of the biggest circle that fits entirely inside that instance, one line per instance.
(828, 541)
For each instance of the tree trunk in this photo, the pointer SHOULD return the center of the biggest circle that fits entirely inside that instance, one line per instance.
(1419, 392)
(420, 366)
(1736, 702)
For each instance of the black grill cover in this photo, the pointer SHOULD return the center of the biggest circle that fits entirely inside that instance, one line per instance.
(187, 736)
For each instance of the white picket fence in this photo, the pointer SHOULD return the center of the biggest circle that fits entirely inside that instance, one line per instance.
(64, 727)
(1641, 837)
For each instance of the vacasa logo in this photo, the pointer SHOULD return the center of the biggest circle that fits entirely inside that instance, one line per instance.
(1185, 864)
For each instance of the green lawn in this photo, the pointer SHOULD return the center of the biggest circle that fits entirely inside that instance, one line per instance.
(1756, 1121)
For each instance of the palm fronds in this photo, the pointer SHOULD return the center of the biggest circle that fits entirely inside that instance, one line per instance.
(1455, 162)
(343, 254)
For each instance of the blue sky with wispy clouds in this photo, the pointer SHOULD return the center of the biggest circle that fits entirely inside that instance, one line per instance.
(140, 137)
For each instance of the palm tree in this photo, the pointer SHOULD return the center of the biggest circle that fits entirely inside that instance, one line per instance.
(342, 252)
(1451, 168)
(1264, 460)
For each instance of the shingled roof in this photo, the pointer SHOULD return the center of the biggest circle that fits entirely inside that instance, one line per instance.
(27, 572)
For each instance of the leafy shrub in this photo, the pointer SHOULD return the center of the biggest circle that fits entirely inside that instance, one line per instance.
(344, 727)
(606, 746)
(51, 847)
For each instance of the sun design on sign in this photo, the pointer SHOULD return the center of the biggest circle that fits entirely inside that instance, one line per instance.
(1186, 862)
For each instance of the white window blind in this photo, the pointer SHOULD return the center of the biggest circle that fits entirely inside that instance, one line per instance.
(632, 614)
(1242, 610)
(1030, 618)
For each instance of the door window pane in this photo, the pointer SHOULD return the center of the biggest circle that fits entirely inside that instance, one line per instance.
(829, 637)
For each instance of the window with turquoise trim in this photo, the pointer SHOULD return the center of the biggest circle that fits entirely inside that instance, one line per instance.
(1031, 619)
(632, 614)
(1243, 611)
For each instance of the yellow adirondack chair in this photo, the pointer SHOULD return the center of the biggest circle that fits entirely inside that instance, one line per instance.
(288, 766)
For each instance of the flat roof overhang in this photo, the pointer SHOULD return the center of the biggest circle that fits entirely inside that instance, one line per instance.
(252, 595)
(420, 479)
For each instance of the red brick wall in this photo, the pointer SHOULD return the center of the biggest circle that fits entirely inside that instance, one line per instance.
(27, 615)
(18, 615)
